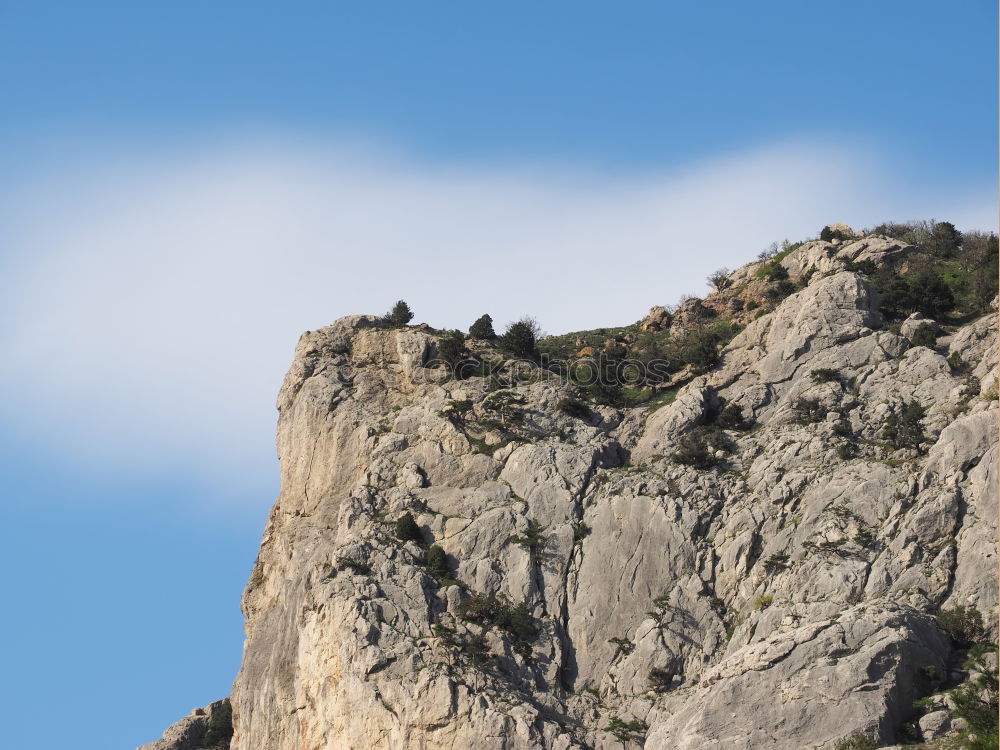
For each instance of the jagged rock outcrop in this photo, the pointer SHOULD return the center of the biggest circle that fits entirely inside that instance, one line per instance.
(208, 728)
(782, 598)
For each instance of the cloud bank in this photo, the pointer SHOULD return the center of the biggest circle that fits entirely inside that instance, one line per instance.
(152, 301)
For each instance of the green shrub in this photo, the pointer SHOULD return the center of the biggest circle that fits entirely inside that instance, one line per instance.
(699, 446)
(477, 649)
(622, 646)
(825, 375)
(220, 726)
(699, 351)
(781, 289)
(923, 291)
(456, 411)
(943, 240)
(580, 531)
(957, 364)
(523, 648)
(451, 348)
(904, 428)
(355, 566)
(481, 608)
(661, 679)
(864, 538)
(931, 294)
(503, 408)
(924, 335)
(731, 418)
(574, 408)
(808, 410)
(720, 279)
(398, 316)
(516, 620)
(842, 427)
(487, 609)
(437, 562)
(892, 229)
(979, 257)
(976, 702)
(521, 338)
(763, 601)
(828, 234)
(772, 271)
(855, 742)
(483, 328)
(775, 564)
(661, 605)
(846, 451)
(964, 625)
(407, 529)
(699, 346)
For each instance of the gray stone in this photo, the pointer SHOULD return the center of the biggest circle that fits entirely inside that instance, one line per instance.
(781, 599)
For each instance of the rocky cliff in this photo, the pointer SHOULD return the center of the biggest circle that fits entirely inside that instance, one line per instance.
(649, 575)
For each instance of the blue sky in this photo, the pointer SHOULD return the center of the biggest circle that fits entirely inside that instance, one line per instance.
(184, 187)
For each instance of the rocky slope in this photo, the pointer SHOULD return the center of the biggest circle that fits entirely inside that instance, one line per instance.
(775, 591)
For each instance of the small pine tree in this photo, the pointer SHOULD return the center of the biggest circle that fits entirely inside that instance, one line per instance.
(477, 649)
(520, 338)
(533, 541)
(964, 625)
(627, 731)
(931, 294)
(904, 428)
(700, 445)
(943, 240)
(399, 315)
(437, 562)
(407, 529)
(483, 328)
(977, 703)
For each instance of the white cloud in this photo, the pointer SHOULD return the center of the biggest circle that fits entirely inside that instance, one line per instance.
(153, 301)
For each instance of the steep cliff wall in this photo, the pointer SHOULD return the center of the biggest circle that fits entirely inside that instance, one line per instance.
(781, 597)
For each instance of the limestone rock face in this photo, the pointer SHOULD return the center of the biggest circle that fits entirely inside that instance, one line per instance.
(657, 319)
(199, 730)
(780, 599)
(826, 257)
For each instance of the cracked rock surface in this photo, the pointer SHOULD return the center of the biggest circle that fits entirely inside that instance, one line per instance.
(782, 599)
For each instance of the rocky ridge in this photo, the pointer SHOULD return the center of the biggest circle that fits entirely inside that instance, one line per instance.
(601, 592)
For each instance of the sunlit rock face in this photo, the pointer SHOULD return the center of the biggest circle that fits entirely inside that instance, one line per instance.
(780, 598)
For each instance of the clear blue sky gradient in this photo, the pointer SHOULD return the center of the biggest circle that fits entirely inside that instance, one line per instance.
(123, 598)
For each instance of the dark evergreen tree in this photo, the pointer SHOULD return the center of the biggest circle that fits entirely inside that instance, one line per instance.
(437, 562)
(483, 328)
(399, 315)
(930, 294)
(451, 348)
(407, 529)
(520, 338)
(943, 240)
